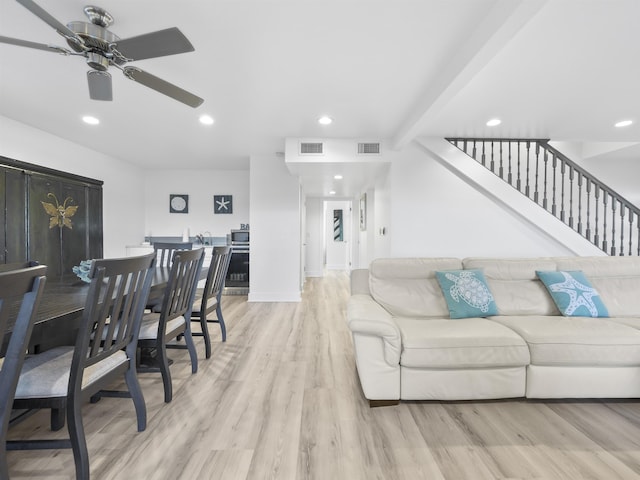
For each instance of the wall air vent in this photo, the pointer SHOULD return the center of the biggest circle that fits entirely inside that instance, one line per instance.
(311, 148)
(369, 148)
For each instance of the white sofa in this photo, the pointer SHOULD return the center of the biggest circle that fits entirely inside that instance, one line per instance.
(408, 348)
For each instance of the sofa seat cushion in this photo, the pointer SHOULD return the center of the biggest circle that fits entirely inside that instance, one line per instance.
(576, 341)
(463, 343)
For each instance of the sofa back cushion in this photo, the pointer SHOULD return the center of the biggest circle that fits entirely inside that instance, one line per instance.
(515, 286)
(617, 280)
(408, 286)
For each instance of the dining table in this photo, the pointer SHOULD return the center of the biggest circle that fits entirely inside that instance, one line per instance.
(60, 311)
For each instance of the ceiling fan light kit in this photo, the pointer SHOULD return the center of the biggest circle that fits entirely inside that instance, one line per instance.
(101, 48)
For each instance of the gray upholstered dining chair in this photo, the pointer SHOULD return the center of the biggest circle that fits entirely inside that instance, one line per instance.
(63, 377)
(212, 297)
(174, 318)
(24, 286)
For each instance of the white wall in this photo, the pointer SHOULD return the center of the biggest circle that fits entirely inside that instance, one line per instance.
(123, 191)
(275, 202)
(201, 186)
(435, 213)
(382, 217)
(314, 237)
(620, 170)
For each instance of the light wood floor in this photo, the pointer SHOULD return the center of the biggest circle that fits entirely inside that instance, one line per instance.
(281, 400)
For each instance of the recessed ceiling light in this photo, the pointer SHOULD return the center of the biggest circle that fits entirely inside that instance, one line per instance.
(325, 120)
(338, 177)
(624, 123)
(206, 120)
(332, 192)
(494, 122)
(90, 120)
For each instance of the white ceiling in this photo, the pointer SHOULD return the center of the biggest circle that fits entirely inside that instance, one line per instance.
(384, 70)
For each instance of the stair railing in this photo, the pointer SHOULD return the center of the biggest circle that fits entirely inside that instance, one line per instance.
(563, 188)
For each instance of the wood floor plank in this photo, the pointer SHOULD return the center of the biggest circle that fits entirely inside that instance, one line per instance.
(281, 400)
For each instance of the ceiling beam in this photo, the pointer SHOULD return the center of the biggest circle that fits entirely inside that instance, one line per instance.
(499, 26)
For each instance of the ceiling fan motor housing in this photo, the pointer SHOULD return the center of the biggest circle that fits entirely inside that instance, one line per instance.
(97, 41)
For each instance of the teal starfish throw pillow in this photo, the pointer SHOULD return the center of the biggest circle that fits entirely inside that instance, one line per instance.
(467, 293)
(573, 294)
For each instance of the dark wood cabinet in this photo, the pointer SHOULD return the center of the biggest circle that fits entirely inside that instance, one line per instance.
(49, 216)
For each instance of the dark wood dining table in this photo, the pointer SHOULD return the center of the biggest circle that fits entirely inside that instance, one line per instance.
(61, 306)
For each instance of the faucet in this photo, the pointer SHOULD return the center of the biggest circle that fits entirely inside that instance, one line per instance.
(209, 237)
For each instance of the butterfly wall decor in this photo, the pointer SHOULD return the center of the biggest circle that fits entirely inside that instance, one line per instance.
(60, 213)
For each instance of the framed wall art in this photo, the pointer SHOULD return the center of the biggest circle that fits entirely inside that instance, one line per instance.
(222, 204)
(363, 212)
(178, 203)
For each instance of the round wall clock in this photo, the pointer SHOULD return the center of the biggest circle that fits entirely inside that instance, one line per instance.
(178, 203)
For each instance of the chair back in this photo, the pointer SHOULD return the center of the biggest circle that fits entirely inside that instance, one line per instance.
(113, 311)
(181, 288)
(20, 293)
(8, 267)
(216, 276)
(164, 251)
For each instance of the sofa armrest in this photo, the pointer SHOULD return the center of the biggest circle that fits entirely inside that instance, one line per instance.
(360, 281)
(367, 317)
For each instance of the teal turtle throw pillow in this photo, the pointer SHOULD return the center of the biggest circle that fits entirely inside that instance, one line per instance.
(573, 294)
(467, 293)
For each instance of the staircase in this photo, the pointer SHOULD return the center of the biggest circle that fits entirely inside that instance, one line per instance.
(563, 188)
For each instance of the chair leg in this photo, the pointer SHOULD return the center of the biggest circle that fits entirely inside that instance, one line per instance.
(205, 334)
(4, 465)
(191, 346)
(77, 438)
(163, 363)
(57, 418)
(223, 328)
(133, 385)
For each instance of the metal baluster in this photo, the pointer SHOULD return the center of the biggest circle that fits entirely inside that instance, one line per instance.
(484, 156)
(501, 169)
(571, 196)
(536, 193)
(546, 165)
(580, 203)
(614, 201)
(518, 181)
(604, 223)
(588, 233)
(553, 198)
(631, 216)
(562, 211)
(526, 188)
(493, 163)
(509, 174)
(622, 209)
(596, 238)
(475, 151)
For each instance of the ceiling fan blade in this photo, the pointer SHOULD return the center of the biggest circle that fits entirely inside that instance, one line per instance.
(99, 85)
(162, 86)
(155, 44)
(39, 12)
(28, 44)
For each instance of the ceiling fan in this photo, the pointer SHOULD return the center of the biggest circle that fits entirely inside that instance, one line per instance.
(102, 49)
